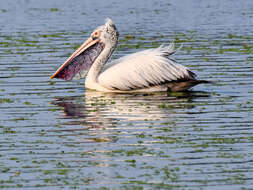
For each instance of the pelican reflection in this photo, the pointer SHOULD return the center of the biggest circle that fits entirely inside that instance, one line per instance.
(102, 110)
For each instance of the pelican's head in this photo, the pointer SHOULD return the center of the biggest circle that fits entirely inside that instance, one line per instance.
(78, 64)
(106, 34)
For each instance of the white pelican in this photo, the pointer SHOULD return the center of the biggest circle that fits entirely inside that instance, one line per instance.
(145, 71)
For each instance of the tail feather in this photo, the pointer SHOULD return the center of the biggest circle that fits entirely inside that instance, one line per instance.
(184, 85)
(202, 81)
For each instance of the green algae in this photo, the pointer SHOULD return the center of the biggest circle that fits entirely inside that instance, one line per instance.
(5, 100)
(9, 130)
(125, 142)
(54, 9)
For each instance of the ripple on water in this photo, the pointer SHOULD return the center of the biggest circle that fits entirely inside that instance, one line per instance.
(54, 134)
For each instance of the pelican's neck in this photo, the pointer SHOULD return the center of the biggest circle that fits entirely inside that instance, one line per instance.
(97, 66)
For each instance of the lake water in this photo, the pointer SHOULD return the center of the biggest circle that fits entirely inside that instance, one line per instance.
(54, 134)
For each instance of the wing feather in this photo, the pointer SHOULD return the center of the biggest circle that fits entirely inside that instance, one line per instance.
(144, 69)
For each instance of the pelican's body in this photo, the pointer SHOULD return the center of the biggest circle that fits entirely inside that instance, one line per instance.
(145, 71)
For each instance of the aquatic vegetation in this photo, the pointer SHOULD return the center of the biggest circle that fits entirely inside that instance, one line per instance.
(54, 9)
(55, 35)
(8, 130)
(56, 134)
(28, 103)
(5, 100)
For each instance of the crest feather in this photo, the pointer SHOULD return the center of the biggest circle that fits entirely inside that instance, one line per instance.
(109, 22)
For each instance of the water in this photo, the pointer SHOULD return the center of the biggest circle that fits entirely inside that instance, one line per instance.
(54, 134)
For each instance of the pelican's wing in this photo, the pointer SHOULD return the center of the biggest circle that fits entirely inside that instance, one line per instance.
(143, 69)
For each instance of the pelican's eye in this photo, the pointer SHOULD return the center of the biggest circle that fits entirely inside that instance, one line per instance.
(95, 35)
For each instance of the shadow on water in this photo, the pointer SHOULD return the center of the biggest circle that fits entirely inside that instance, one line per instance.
(101, 110)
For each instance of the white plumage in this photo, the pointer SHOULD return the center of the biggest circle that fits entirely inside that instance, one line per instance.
(143, 69)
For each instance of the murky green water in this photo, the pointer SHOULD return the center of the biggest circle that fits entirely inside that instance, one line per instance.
(54, 134)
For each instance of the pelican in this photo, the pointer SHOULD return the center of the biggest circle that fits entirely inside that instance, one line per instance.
(145, 71)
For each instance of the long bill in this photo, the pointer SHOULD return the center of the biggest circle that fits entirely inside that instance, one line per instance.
(88, 43)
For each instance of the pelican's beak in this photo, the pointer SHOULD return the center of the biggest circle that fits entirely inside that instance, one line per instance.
(80, 60)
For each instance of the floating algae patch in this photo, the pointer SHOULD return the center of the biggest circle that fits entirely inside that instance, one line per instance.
(3, 10)
(231, 36)
(52, 35)
(8, 130)
(54, 9)
(5, 100)
(57, 134)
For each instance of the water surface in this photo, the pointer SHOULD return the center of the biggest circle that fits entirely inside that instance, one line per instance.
(54, 134)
